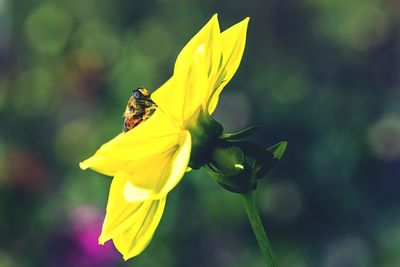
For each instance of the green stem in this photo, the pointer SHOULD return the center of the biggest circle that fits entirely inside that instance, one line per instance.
(258, 229)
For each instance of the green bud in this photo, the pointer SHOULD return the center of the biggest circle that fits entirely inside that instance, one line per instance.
(228, 160)
(234, 163)
(263, 159)
(241, 182)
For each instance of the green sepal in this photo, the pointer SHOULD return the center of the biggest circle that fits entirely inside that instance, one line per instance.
(278, 149)
(262, 166)
(241, 134)
(252, 150)
(241, 182)
(205, 132)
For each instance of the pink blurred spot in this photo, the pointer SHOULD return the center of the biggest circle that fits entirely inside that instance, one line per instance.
(86, 228)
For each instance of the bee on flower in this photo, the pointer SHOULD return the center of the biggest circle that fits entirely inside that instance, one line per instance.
(139, 108)
(155, 150)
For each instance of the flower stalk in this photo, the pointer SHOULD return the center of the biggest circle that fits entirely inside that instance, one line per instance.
(258, 228)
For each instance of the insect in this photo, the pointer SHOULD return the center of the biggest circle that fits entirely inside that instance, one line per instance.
(139, 108)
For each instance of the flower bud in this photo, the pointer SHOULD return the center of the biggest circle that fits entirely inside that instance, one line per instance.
(234, 163)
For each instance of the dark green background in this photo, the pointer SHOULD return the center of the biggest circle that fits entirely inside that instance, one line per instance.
(323, 75)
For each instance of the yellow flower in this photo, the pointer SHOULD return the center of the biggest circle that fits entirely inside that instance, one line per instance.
(149, 161)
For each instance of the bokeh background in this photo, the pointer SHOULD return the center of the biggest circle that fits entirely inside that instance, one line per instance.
(323, 75)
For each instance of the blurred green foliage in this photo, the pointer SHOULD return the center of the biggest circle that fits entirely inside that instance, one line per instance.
(323, 75)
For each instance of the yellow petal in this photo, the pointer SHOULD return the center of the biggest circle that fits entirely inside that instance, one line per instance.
(140, 183)
(135, 239)
(170, 99)
(158, 174)
(195, 70)
(137, 197)
(180, 163)
(131, 225)
(184, 94)
(102, 164)
(233, 43)
(208, 37)
(152, 136)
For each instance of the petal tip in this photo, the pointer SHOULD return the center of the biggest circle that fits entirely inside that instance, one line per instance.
(245, 22)
(130, 255)
(126, 258)
(83, 165)
(102, 240)
(215, 22)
